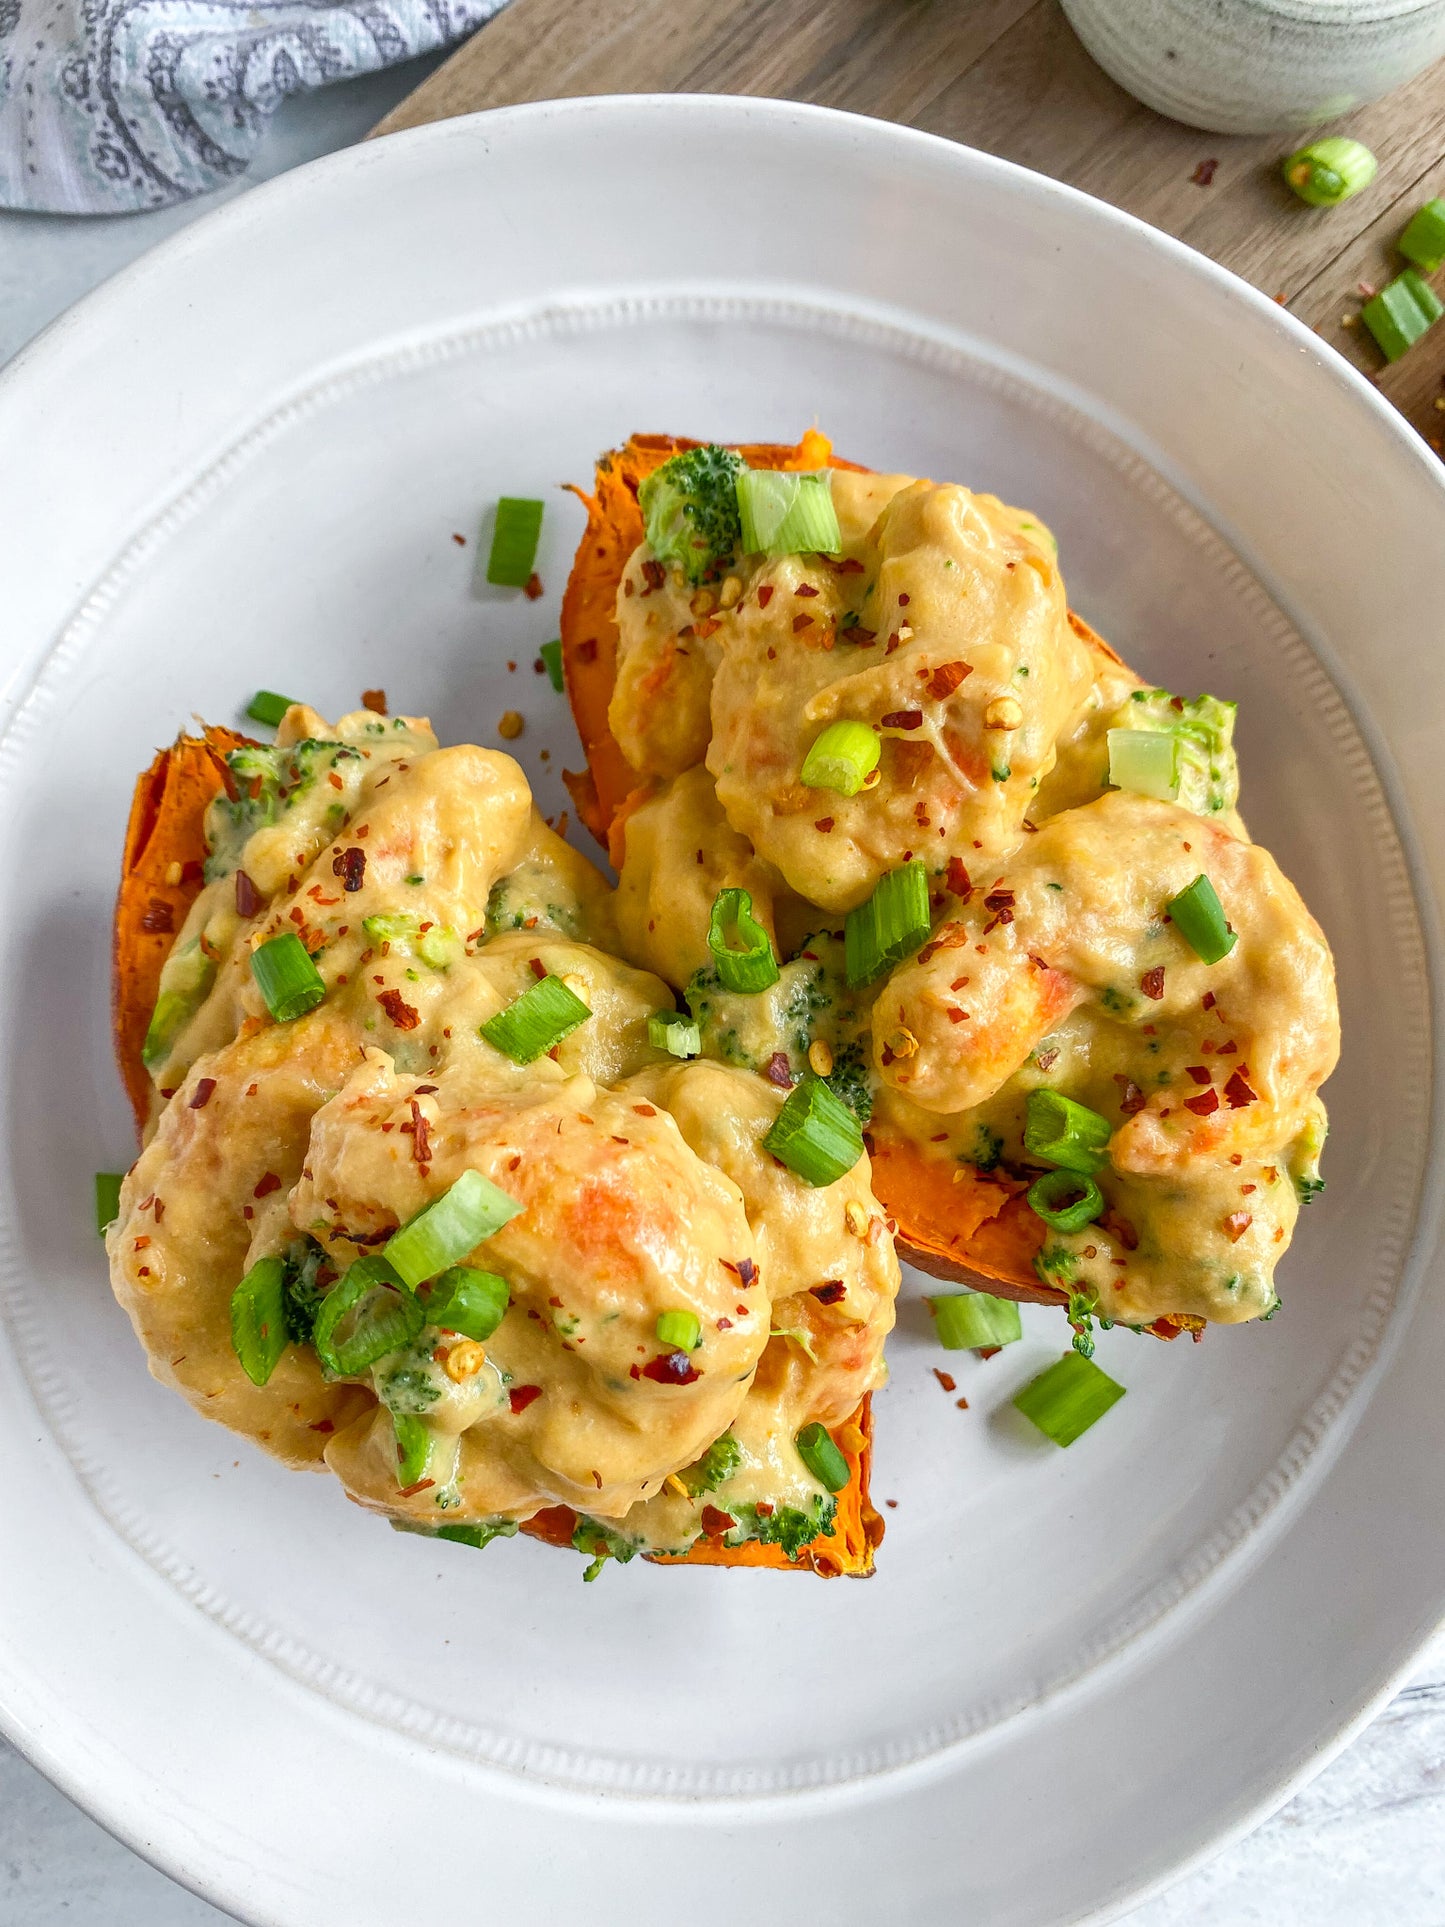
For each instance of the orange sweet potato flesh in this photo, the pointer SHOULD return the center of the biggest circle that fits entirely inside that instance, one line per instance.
(977, 1231)
(161, 876)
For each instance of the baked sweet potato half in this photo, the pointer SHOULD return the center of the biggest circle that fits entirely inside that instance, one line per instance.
(162, 873)
(958, 1223)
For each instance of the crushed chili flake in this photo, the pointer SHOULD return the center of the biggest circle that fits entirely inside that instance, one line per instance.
(1236, 1224)
(903, 719)
(1204, 1105)
(946, 1380)
(1199, 1072)
(671, 1368)
(716, 1522)
(824, 825)
(537, 968)
(532, 587)
(805, 589)
(410, 1491)
(1237, 1091)
(159, 918)
(779, 1071)
(201, 1095)
(1207, 1001)
(421, 1140)
(1152, 983)
(857, 633)
(1131, 1098)
(957, 1016)
(521, 1396)
(957, 879)
(999, 900)
(402, 1014)
(800, 623)
(269, 1183)
(322, 1425)
(644, 1110)
(350, 866)
(747, 1272)
(830, 1292)
(946, 678)
(1203, 175)
(765, 595)
(374, 700)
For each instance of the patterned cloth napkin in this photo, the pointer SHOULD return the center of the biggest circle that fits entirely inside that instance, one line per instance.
(110, 106)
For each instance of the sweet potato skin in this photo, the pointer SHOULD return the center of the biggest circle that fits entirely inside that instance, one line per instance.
(161, 876)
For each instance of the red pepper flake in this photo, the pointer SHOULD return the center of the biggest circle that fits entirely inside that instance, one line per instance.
(532, 587)
(248, 897)
(1000, 900)
(716, 1522)
(779, 1071)
(401, 1013)
(800, 623)
(1204, 1105)
(375, 699)
(201, 1095)
(670, 1368)
(521, 1396)
(159, 919)
(335, 781)
(1207, 1001)
(421, 1141)
(855, 632)
(946, 1380)
(654, 575)
(322, 1425)
(829, 1293)
(823, 825)
(350, 866)
(957, 1016)
(460, 540)
(139, 1244)
(946, 678)
(410, 1491)
(1152, 982)
(957, 879)
(1237, 1090)
(747, 1272)
(537, 968)
(805, 589)
(1226, 1050)
(1203, 175)
(269, 1183)
(1199, 1072)
(903, 601)
(1236, 1224)
(765, 595)
(903, 719)
(193, 871)
(962, 1404)
(1131, 1098)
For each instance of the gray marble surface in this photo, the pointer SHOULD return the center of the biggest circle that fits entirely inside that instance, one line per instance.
(1362, 1846)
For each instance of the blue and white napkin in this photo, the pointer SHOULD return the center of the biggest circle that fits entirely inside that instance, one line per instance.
(111, 106)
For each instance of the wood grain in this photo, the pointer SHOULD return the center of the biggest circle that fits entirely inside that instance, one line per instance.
(1007, 76)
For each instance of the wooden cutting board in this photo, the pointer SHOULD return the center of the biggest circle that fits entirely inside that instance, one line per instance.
(1007, 76)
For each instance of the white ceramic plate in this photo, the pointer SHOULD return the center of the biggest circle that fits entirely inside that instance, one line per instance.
(242, 464)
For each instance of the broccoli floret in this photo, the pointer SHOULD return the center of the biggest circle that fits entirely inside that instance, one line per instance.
(848, 1080)
(310, 1274)
(987, 1148)
(266, 781)
(1308, 1189)
(1203, 727)
(1056, 1265)
(480, 1534)
(788, 1526)
(721, 1459)
(591, 1535)
(690, 506)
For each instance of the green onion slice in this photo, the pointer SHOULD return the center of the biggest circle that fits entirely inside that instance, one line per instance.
(971, 1321)
(1068, 1398)
(1198, 916)
(537, 1021)
(680, 1331)
(413, 1448)
(107, 1199)
(675, 1033)
(887, 928)
(551, 654)
(1065, 1133)
(449, 1229)
(289, 982)
(842, 758)
(1065, 1200)
(822, 1457)
(268, 708)
(788, 514)
(258, 1319)
(514, 542)
(815, 1134)
(185, 981)
(1145, 762)
(1331, 170)
(1403, 310)
(1423, 241)
(468, 1301)
(747, 964)
(367, 1313)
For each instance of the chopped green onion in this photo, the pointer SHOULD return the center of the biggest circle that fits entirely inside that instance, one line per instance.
(1068, 1398)
(1331, 170)
(889, 927)
(1401, 312)
(1423, 241)
(788, 514)
(748, 964)
(514, 542)
(822, 1457)
(258, 1319)
(972, 1321)
(1065, 1200)
(107, 1199)
(478, 1535)
(842, 758)
(675, 1033)
(537, 1021)
(268, 708)
(289, 982)
(551, 654)
(468, 1301)
(1198, 916)
(815, 1134)
(186, 978)
(413, 1448)
(1065, 1133)
(450, 1229)
(1145, 762)
(680, 1331)
(367, 1313)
